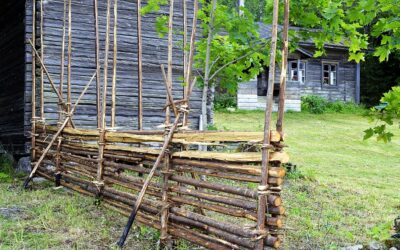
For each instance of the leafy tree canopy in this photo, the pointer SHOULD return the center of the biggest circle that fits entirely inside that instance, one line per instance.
(351, 22)
(237, 51)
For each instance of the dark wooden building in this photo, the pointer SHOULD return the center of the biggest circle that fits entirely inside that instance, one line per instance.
(331, 76)
(16, 64)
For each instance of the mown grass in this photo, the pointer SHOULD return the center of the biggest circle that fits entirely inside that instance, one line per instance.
(347, 192)
(46, 218)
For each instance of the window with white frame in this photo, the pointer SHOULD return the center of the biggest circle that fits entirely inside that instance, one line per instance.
(329, 73)
(297, 71)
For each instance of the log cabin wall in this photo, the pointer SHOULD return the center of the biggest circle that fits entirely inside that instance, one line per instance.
(252, 94)
(83, 63)
(12, 67)
(343, 90)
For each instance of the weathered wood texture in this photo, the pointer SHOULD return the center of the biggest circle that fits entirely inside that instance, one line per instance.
(12, 68)
(83, 63)
(228, 196)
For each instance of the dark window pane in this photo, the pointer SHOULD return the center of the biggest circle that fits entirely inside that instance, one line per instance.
(326, 67)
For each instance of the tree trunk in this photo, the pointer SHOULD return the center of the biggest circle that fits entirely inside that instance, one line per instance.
(207, 65)
(210, 104)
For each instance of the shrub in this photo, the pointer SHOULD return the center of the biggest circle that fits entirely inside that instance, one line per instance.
(319, 105)
(224, 100)
(6, 168)
(314, 104)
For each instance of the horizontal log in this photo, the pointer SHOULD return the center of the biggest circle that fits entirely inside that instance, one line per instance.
(217, 187)
(186, 137)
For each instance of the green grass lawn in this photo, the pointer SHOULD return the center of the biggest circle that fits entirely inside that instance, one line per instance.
(346, 192)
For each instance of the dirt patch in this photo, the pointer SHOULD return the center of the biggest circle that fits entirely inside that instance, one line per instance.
(13, 213)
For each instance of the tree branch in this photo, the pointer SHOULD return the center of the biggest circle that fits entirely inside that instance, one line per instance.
(233, 61)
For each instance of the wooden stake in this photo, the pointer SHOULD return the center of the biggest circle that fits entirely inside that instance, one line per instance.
(114, 77)
(263, 188)
(140, 74)
(61, 86)
(282, 91)
(101, 142)
(69, 57)
(165, 209)
(33, 100)
(188, 75)
(41, 68)
(147, 182)
(170, 47)
(185, 52)
(97, 58)
(57, 134)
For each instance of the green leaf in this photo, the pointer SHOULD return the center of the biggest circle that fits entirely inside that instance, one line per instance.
(368, 133)
(383, 53)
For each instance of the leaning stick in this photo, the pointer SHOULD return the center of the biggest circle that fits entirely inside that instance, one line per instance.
(114, 77)
(169, 92)
(49, 77)
(55, 136)
(263, 188)
(282, 91)
(147, 182)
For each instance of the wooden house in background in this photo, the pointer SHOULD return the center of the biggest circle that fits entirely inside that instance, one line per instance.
(331, 76)
(16, 64)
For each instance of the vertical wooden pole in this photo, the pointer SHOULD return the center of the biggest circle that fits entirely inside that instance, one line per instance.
(61, 87)
(33, 98)
(285, 49)
(58, 162)
(97, 58)
(140, 67)
(188, 76)
(263, 188)
(100, 169)
(170, 47)
(185, 52)
(114, 77)
(69, 58)
(165, 209)
(41, 68)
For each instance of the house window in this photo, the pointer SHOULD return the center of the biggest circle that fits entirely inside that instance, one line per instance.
(329, 74)
(297, 71)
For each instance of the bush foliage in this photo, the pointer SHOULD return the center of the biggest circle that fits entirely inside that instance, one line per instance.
(224, 100)
(319, 105)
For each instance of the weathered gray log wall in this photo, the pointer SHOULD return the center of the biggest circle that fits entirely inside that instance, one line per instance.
(12, 67)
(345, 89)
(83, 62)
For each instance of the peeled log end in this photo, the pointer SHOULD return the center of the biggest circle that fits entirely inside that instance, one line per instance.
(272, 241)
(274, 200)
(275, 222)
(276, 210)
